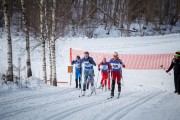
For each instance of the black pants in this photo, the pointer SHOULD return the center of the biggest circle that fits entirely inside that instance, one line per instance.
(79, 83)
(113, 87)
(177, 82)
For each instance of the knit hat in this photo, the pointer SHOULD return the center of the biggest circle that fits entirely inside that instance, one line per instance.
(78, 57)
(177, 53)
(86, 52)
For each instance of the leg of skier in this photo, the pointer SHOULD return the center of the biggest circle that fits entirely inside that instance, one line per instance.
(105, 80)
(91, 75)
(85, 82)
(76, 79)
(109, 82)
(178, 84)
(119, 83)
(175, 82)
(112, 88)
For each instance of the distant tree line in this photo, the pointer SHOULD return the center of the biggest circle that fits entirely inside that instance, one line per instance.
(72, 15)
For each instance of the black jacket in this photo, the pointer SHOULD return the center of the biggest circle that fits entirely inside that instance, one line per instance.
(176, 65)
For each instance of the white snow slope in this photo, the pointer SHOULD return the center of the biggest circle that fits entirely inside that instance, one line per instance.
(146, 94)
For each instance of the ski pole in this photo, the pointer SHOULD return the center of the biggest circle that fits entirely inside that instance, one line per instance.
(97, 79)
(164, 69)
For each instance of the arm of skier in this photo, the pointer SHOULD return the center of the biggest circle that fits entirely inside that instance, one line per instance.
(72, 63)
(92, 62)
(171, 66)
(99, 66)
(123, 65)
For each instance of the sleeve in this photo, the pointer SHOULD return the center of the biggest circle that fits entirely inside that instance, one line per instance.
(92, 62)
(171, 66)
(122, 63)
(72, 63)
(82, 60)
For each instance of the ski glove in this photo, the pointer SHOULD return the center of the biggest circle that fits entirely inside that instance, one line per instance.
(90, 62)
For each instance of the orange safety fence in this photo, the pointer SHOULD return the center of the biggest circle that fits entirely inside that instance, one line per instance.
(132, 61)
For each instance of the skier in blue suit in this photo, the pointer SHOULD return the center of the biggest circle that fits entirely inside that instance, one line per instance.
(78, 71)
(88, 64)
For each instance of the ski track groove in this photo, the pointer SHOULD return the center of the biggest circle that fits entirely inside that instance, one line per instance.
(27, 109)
(123, 111)
(74, 110)
(35, 96)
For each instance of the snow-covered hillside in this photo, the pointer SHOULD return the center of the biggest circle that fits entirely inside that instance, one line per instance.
(146, 94)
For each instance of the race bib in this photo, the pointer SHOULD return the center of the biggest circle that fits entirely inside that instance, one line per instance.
(115, 66)
(87, 64)
(103, 67)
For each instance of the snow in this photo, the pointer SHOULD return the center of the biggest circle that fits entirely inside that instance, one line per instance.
(146, 94)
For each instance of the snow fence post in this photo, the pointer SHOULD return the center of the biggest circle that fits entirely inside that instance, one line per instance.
(70, 55)
(70, 70)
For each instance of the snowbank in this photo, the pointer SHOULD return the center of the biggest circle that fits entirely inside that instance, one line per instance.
(7, 86)
(35, 83)
(32, 83)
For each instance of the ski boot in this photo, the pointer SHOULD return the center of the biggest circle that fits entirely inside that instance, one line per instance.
(112, 95)
(105, 88)
(118, 95)
(83, 94)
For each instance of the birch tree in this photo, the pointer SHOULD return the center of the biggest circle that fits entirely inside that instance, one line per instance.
(53, 44)
(49, 41)
(26, 30)
(42, 32)
(9, 41)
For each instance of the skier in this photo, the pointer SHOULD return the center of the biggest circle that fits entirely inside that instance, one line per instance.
(104, 67)
(116, 73)
(78, 70)
(88, 63)
(176, 65)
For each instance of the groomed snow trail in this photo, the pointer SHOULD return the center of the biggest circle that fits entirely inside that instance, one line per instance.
(146, 94)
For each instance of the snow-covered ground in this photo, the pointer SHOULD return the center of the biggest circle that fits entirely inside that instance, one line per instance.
(146, 94)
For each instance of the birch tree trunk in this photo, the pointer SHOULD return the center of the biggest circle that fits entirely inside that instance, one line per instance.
(49, 42)
(53, 44)
(42, 29)
(26, 30)
(9, 42)
(116, 5)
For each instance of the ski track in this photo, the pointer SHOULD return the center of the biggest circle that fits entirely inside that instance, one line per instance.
(122, 112)
(27, 109)
(49, 104)
(70, 112)
(36, 96)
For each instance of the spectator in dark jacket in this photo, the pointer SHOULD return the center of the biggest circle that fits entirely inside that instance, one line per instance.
(175, 64)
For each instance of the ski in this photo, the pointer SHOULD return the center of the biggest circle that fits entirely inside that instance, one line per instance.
(110, 98)
(91, 93)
